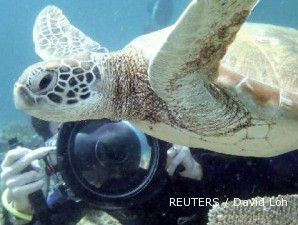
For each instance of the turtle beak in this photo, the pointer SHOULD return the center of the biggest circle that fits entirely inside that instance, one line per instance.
(23, 100)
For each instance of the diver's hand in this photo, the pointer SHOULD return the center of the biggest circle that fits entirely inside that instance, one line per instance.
(181, 155)
(19, 183)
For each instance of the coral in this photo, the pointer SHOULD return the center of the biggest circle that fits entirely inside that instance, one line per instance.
(96, 217)
(265, 211)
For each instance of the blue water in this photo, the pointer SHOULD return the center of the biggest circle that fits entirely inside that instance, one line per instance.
(113, 23)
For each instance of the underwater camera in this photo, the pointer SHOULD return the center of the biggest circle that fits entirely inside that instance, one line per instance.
(109, 164)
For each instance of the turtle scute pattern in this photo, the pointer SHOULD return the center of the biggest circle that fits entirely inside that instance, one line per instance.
(267, 54)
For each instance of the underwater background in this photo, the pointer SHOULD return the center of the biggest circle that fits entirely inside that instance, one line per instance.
(113, 23)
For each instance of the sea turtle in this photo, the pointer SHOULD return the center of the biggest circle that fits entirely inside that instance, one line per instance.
(183, 84)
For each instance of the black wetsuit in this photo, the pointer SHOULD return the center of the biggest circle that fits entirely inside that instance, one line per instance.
(225, 177)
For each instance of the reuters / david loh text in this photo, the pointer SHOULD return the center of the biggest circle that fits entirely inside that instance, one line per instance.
(237, 202)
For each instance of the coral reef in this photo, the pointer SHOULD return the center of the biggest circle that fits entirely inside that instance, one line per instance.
(282, 209)
(23, 132)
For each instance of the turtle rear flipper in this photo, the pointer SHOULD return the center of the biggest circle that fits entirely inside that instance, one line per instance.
(55, 38)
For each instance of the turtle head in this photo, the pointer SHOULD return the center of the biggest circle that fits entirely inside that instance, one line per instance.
(61, 90)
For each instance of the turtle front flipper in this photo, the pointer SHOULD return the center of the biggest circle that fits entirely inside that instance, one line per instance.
(55, 38)
(184, 69)
(197, 43)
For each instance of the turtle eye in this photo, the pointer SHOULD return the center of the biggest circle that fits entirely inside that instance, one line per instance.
(42, 81)
(45, 82)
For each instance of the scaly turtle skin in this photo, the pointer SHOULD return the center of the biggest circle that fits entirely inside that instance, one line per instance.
(183, 84)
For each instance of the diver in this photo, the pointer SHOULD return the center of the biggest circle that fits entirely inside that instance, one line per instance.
(21, 184)
(128, 174)
(161, 13)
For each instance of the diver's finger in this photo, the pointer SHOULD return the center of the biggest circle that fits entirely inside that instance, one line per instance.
(35, 165)
(24, 178)
(184, 152)
(172, 152)
(25, 161)
(195, 173)
(21, 191)
(180, 148)
(29, 158)
(187, 161)
(14, 155)
(46, 148)
(173, 164)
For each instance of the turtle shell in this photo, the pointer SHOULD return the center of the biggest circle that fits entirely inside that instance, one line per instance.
(263, 62)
